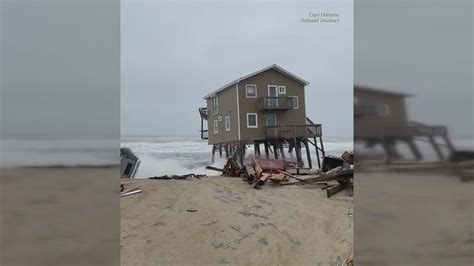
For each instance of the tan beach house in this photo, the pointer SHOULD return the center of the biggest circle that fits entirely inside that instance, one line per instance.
(381, 118)
(266, 107)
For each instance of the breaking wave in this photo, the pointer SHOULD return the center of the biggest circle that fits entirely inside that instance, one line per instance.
(169, 155)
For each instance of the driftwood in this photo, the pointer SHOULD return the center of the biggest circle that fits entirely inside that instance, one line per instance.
(129, 191)
(290, 175)
(250, 173)
(178, 177)
(258, 169)
(293, 183)
(277, 177)
(261, 180)
(214, 168)
(350, 258)
(335, 189)
(231, 168)
(329, 176)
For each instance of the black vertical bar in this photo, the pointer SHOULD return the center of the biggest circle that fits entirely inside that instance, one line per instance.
(308, 154)
(267, 153)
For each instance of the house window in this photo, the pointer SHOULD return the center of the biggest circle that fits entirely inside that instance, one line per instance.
(376, 109)
(216, 126)
(271, 120)
(382, 110)
(227, 123)
(251, 91)
(281, 89)
(293, 102)
(252, 120)
(215, 105)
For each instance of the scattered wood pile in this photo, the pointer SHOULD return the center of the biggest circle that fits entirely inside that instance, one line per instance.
(231, 168)
(178, 177)
(338, 174)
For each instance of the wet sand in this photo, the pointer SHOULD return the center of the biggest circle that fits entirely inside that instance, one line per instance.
(59, 216)
(219, 220)
(415, 217)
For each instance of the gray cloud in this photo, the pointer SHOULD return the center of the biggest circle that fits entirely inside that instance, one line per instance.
(175, 53)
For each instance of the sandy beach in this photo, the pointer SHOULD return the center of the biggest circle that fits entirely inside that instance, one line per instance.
(219, 220)
(59, 216)
(415, 217)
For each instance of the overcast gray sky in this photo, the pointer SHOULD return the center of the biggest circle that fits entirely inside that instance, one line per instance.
(423, 48)
(173, 54)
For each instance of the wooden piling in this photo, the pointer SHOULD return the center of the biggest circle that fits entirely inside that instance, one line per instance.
(322, 146)
(282, 151)
(308, 154)
(317, 153)
(298, 151)
(436, 147)
(213, 152)
(275, 150)
(414, 148)
(267, 153)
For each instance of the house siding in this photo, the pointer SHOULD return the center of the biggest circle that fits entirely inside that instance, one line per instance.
(374, 126)
(227, 107)
(250, 105)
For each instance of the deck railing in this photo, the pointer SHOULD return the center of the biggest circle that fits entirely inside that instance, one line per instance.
(293, 131)
(408, 131)
(276, 103)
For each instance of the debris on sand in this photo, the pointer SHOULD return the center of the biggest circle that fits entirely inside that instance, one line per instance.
(127, 191)
(178, 177)
(337, 173)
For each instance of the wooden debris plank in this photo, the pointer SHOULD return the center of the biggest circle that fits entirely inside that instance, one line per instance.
(335, 189)
(257, 168)
(277, 177)
(250, 173)
(130, 191)
(350, 258)
(214, 168)
(290, 175)
(262, 180)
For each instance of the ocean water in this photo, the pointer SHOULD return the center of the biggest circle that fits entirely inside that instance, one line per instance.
(168, 155)
(45, 152)
(160, 155)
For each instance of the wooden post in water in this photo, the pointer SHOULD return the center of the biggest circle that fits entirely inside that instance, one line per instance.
(298, 151)
(414, 148)
(256, 147)
(322, 147)
(317, 152)
(267, 153)
(275, 150)
(242, 153)
(213, 152)
(308, 153)
(436, 147)
(282, 151)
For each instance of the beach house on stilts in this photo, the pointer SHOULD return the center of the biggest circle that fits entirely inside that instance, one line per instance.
(381, 118)
(266, 109)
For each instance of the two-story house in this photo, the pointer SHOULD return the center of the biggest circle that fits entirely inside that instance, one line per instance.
(265, 107)
(381, 118)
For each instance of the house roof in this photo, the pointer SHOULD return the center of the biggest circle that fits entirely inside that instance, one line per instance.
(381, 91)
(274, 66)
